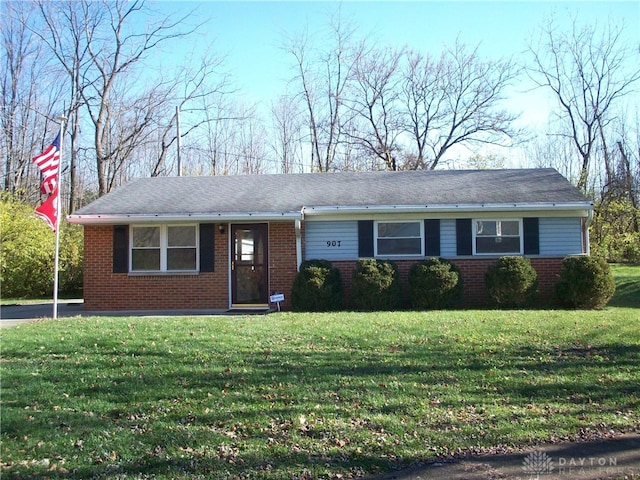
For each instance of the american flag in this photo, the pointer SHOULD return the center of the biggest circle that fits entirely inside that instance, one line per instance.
(48, 211)
(48, 162)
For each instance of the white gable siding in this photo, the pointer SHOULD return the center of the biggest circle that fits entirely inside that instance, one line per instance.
(335, 240)
(560, 236)
(448, 238)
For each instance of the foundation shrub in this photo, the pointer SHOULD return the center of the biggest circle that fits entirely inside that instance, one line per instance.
(434, 284)
(511, 282)
(376, 285)
(317, 287)
(585, 282)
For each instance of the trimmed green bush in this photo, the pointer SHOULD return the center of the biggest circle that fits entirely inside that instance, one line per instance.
(70, 276)
(317, 287)
(511, 282)
(376, 285)
(585, 282)
(27, 254)
(434, 284)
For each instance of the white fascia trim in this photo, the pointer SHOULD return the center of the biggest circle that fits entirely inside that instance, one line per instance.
(197, 217)
(474, 207)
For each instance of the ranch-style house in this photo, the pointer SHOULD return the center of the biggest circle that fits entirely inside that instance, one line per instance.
(230, 242)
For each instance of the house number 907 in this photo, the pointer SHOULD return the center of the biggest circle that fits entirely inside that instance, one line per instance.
(333, 243)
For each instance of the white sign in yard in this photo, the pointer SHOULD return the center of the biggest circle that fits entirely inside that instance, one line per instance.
(276, 298)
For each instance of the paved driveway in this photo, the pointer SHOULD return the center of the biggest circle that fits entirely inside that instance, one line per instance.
(11, 315)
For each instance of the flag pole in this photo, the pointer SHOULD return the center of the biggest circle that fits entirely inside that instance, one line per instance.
(62, 119)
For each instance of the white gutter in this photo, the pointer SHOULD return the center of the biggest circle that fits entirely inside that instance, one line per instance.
(207, 217)
(298, 228)
(587, 224)
(327, 210)
(473, 207)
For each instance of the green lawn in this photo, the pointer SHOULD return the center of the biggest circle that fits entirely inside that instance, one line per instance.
(627, 286)
(308, 395)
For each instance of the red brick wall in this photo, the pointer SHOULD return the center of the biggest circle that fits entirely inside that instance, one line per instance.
(475, 293)
(283, 264)
(473, 270)
(105, 290)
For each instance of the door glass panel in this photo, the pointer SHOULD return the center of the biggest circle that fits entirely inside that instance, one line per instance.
(250, 287)
(244, 246)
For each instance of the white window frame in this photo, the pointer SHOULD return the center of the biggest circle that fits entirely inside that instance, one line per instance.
(399, 255)
(497, 220)
(164, 247)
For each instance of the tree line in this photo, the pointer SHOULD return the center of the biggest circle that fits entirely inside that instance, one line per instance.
(351, 104)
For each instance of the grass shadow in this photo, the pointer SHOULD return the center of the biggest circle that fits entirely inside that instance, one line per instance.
(335, 394)
(627, 294)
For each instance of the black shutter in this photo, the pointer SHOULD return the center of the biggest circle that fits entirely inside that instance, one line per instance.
(531, 236)
(207, 246)
(464, 237)
(365, 238)
(432, 237)
(121, 249)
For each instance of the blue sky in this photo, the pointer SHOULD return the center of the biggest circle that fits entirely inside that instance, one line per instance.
(251, 33)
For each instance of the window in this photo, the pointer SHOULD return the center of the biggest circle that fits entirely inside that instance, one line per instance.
(164, 248)
(497, 237)
(145, 248)
(399, 238)
(181, 247)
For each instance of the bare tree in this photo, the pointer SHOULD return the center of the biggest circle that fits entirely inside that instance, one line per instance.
(105, 48)
(423, 99)
(69, 46)
(625, 177)
(588, 71)
(114, 49)
(288, 134)
(26, 115)
(324, 77)
(201, 79)
(251, 146)
(551, 151)
(217, 144)
(456, 100)
(374, 103)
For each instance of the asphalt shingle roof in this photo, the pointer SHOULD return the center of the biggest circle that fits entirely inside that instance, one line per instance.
(290, 193)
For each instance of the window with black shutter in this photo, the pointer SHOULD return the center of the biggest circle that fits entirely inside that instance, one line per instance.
(464, 237)
(120, 248)
(432, 237)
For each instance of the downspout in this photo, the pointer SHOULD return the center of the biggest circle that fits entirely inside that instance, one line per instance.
(298, 227)
(587, 224)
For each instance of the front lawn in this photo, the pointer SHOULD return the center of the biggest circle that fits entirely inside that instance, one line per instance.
(298, 396)
(627, 286)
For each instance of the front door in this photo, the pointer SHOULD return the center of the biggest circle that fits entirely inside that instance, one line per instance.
(249, 265)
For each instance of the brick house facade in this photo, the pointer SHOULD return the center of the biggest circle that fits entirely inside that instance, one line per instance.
(212, 243)
(105, 290)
